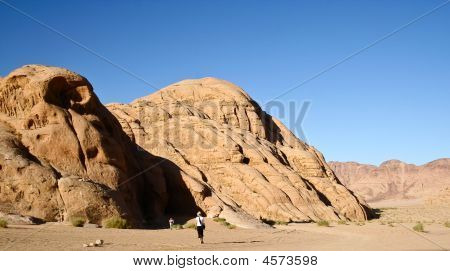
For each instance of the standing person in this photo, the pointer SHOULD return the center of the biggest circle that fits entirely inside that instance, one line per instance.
(200, 226)
(171, 221)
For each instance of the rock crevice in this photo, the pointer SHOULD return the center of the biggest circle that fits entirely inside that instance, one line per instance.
(198, 144)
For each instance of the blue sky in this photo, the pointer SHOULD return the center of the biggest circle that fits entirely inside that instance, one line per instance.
(389, 102)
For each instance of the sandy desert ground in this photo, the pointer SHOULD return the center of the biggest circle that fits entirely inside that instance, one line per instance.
(392, 231)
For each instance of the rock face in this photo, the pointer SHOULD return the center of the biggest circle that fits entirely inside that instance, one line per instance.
(394, 179)
(221, 152)
(63, 154)
(198, 144)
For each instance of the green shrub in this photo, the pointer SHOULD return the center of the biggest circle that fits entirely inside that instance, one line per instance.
(3, 223)
(224, 222)
(219, 220)
(447, 224)
(189, 226)
(231, 226)
(177, 227)
(323, 223)
(342, 222)
(77, 221)
(419, 227)
(115, 223)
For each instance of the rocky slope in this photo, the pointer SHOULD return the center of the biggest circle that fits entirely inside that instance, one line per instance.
(63, 154)
(394, 179)
(198, 144)
(235, 160)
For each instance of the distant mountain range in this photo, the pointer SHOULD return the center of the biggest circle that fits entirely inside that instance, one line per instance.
(394, 179)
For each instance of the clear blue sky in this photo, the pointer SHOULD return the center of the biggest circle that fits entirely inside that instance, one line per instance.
(391, 101)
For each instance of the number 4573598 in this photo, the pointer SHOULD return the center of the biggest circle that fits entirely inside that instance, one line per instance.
(290, 260)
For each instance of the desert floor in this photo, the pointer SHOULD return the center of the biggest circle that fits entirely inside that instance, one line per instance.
(392, 231)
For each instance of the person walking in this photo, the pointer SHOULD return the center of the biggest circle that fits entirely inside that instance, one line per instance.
(171, 221)
(200, 226)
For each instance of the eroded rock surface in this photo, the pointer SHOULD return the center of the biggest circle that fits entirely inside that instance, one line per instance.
(235, 160)
(395, 180)
(198, 144)
(63, 154)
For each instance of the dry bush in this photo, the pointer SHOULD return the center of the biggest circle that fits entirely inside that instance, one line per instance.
(115, 223)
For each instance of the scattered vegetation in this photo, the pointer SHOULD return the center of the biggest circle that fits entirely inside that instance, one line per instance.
(419, 227)
(228, 225)
(323, 223)
(78, 221)
(391, 224)
(447, 224)
(3, 223)
(189, 225)
(342, 222)
(360, 223)
(231, 226)
(115, 223)
(219, 220)
(224, 222)
(177, 227)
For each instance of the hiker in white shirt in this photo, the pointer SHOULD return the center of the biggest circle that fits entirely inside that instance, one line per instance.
(200, 221)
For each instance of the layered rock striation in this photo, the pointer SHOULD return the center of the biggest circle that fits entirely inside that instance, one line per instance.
(63, 154)
(394, 179)
(235, 160)
(197, 144)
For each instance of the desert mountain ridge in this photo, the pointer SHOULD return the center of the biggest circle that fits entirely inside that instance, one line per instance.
(394, 179)
(395, 161)
(196, 144)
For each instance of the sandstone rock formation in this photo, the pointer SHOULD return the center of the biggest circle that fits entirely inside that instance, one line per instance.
(222, 153)
(20, 219)
(63, 154)
(441, 198)
(198, 144)
(394, 179)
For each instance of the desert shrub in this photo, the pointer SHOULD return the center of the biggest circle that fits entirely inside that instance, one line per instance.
(323, 223)
(189, 226)
(115, 223)
(360, 223)
(419, 227)
(3, 223)
(77, 221)
(219, 220)
(281, 223)
(231, 226)
(447, 224)
(224, 222)
(342, 222)
(177, 227)
(228, 225)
